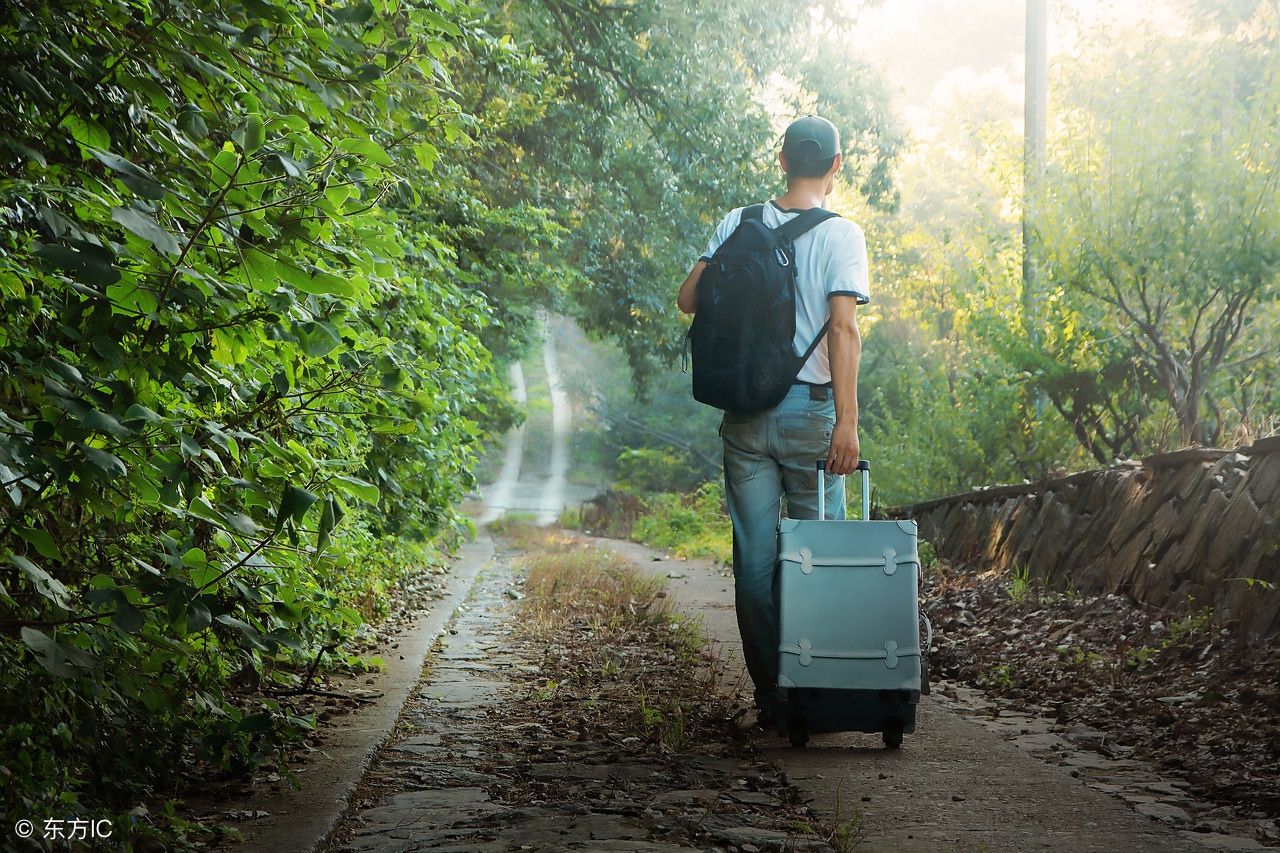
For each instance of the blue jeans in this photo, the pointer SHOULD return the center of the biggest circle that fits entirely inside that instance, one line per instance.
(768, 455)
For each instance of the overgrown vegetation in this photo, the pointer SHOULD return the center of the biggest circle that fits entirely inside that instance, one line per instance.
(241, 375)
(611, 635)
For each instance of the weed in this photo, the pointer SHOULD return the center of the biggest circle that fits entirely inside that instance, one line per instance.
(843, 835)
(1196, 624)
(1021, 587)
(571, 518)
(928, 555)
(517, 530)
(594, 610)
(544, 693)
(1001, 677)
(693, 525)
(1182, 634)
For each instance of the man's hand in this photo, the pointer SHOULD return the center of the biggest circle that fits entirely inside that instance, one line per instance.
(843, 456)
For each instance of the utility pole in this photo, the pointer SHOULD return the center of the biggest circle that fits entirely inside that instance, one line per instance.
(1035, 119)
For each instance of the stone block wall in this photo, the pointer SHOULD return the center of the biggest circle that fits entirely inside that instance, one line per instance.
(1196, 523)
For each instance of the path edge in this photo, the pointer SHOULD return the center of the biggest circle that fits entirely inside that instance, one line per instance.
(305, 820)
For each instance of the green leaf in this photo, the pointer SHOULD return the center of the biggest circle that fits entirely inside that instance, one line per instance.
(142, 225)
(255, 724)
(60, 659)
(294, 504)
(224, 166)
(241, 523)
(316, 281)
(328, 520)
(287, 612)
(42, 540)
(248, 633)
(262, 272)
(198, 617)
(358, 14)
(136, 179)
(87, 133)
(105, 422)
(201, 508)
(138, 412)
(318, 339)
(188, 446)
(366, 148)
(366, 492)
(195, 558)
(286, 638)
(104, 461)
(92, 265)
(254, 134)
(127, 617)
(203, 576)
(44, 583)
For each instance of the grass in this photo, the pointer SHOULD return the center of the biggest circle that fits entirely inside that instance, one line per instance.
(612, 637)
(1021, 586)
(842, 834)
(692, 525)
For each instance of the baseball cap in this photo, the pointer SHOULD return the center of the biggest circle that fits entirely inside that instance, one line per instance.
(811, 138)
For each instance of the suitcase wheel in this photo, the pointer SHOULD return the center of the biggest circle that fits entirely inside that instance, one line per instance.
(798, 731)
(892, 732)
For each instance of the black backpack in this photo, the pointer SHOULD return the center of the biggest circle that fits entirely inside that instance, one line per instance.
(743, 333)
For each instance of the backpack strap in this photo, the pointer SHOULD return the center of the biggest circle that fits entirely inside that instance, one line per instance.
(790, 230)
(793, 228)
(754, 211)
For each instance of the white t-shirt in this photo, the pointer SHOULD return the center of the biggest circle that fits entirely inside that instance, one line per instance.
(831, 260)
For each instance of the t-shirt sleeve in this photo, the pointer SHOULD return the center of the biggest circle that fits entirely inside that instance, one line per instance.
(847, 273)
(723, 230)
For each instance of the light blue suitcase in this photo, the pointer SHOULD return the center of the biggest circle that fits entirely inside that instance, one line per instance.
(849, 650)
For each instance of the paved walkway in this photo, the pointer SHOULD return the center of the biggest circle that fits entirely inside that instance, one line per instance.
(427, 768)
(520, 488)
(969, 779)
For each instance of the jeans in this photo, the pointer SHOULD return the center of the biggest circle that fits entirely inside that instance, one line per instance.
(768, 455)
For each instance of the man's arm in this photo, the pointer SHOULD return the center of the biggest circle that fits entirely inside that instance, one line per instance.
(844, 345)
(687, 301)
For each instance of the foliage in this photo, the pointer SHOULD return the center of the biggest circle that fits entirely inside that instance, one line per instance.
(943, 408)
(661, 122)
(236, 359)
(652, 470)
(1161, 236)
(692, 525)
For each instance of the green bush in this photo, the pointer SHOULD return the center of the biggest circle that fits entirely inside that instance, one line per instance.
(692, 525)
(239, 370)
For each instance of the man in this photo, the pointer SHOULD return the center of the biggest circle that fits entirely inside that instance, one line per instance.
(771, 454)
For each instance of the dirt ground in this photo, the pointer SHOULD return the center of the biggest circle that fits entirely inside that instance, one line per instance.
(1195, 700)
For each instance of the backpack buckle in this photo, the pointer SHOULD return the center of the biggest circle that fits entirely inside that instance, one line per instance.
(784, 260)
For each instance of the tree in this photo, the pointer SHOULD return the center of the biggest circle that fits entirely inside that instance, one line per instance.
(661, 123)
(232, 362)
(1159, 219)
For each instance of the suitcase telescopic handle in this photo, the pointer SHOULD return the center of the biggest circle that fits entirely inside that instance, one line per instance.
(865, 467)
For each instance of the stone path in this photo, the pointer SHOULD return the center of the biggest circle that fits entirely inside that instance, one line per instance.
(520, 488)
(460, 774)
(970, 779)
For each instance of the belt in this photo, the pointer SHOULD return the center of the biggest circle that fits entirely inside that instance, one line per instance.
(816, 391)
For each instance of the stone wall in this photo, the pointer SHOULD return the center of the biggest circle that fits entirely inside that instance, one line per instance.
(1193, 523)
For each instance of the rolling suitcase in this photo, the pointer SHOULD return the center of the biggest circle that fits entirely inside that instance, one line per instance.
(849, 650)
